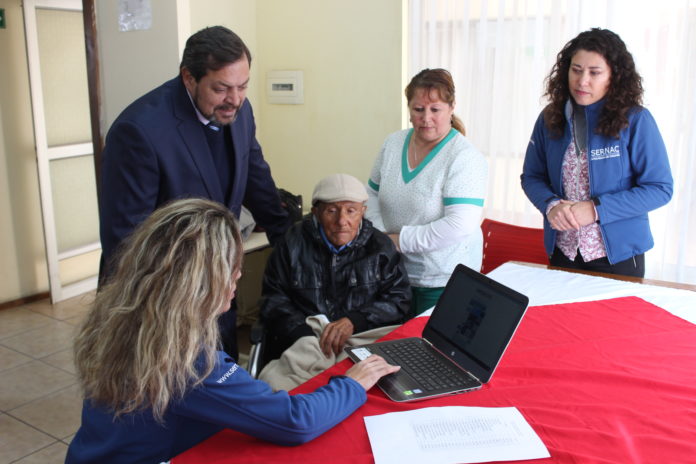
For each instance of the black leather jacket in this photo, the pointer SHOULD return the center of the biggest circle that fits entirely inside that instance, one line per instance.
(365, 282)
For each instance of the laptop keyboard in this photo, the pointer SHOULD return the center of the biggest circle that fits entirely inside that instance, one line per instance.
(431, 372)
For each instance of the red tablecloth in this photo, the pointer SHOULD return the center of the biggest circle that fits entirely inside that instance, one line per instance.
(611, 381)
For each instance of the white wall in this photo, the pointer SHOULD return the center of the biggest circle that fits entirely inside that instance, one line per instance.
(351, 55)
(135, 62)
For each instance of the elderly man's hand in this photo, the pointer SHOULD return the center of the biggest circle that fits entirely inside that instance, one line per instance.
(335, 335)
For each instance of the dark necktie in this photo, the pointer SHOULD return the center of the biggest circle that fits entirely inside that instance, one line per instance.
(221, 157)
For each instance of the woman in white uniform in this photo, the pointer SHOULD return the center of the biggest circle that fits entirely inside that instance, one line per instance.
(427, 189)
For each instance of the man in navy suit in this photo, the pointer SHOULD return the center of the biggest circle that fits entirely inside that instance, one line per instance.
(194, 136)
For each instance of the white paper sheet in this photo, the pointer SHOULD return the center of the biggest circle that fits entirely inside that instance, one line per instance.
(453, 434)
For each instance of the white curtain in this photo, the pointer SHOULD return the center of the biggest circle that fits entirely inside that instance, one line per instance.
(499, 53)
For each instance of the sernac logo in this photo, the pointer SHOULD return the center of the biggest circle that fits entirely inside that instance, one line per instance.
(613, 151)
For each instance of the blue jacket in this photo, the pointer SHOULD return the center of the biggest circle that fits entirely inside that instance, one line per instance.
(629, 176)
(156, 151)
(228, 398)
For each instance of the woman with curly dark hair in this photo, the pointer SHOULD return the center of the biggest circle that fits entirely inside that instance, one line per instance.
(596, 163)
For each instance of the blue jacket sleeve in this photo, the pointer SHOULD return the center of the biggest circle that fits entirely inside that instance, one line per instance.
(231, 398)
(535, 176)
(650, 185)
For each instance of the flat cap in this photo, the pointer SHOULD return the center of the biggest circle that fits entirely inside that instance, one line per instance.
(339, 187)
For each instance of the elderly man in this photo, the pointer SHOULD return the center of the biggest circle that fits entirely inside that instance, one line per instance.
(333, 263)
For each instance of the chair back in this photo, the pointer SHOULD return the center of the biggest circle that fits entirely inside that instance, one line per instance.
(507, 242)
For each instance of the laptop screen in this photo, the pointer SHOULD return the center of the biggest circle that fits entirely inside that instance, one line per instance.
(474, 321)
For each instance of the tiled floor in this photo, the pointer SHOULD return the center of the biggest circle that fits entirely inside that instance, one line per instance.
(39, 396)
(40, 399)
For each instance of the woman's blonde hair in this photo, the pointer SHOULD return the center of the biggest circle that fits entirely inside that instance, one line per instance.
(152, 333)
(441, 81)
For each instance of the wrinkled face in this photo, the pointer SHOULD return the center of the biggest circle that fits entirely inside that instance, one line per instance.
(589, 77)
(340, 220)
(430, 116)
(219, 94)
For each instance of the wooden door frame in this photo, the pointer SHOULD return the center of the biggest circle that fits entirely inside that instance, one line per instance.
(89, 16)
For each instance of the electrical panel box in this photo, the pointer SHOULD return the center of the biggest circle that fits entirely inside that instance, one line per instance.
(285, 87)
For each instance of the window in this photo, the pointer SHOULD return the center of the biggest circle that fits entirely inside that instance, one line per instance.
(499, 53)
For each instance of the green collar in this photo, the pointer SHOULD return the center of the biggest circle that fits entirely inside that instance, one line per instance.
(409, 175)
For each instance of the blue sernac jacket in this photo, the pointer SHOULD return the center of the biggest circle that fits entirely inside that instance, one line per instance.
(629, 176)
(227, 398)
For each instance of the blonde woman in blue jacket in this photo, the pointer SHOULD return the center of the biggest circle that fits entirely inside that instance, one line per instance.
(596, 163)
(154, 381)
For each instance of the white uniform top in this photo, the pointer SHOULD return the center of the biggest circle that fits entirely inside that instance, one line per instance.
(436, 208)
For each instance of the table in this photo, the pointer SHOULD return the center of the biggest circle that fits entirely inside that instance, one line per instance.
(255, 241)
(607, 381)
(550, 285)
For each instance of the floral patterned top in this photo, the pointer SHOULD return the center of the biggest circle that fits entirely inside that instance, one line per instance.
(576, 186)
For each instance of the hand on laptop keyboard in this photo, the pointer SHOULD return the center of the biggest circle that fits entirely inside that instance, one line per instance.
(370, 370)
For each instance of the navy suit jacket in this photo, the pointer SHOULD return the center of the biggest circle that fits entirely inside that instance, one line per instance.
(156, 151)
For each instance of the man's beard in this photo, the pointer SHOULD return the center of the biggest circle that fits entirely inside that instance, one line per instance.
(211, 117)
(214, 120)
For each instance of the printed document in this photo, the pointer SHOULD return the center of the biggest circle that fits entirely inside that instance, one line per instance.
(453, 434)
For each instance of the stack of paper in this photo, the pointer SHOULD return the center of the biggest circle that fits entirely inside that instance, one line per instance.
(453, 434)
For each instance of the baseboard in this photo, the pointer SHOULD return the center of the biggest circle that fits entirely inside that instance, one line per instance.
(24, 300)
